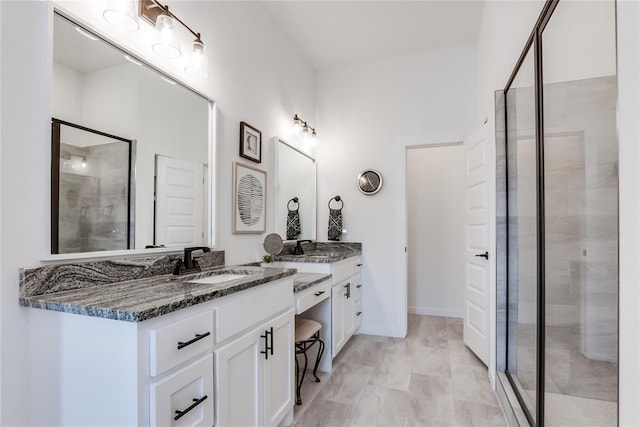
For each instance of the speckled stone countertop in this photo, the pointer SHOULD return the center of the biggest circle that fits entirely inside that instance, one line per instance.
(302, 281)
(143, 299)
(320, 252)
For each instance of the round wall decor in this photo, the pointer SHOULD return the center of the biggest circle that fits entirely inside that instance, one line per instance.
(369, 181)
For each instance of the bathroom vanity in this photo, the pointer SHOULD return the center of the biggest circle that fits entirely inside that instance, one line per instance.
(336, 302)
(211, 348)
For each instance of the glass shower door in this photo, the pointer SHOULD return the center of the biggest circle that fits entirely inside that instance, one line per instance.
(580, 215)
(522, 276)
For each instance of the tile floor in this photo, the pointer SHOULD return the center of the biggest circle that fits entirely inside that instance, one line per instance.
(427, 379)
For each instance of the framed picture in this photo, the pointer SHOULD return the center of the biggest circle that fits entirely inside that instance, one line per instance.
(249, 199)
(250, 143)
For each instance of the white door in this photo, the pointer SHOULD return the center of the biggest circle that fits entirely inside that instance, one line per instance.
(179, 202)
(239, 381)
(477, 256)
(279, 377)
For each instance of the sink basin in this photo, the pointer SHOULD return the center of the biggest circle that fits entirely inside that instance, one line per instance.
(218, 278)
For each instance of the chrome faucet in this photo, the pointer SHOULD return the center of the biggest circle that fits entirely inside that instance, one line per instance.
(190, 262)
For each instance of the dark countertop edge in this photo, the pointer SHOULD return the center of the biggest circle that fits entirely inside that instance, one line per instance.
(40, 302)
(307, 285)
(302, 258)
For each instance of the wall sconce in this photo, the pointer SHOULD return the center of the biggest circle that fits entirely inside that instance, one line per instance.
(301, 127)
(124, 14)
(165, 22)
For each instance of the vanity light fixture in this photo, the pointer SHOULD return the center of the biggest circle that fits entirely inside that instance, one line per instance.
(167, 45)
(308, 133)
(121, 14)
(83, 163)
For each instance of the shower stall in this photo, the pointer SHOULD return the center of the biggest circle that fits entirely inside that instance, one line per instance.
(558, 208)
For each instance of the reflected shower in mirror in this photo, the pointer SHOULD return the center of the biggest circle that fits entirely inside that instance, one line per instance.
(91, 190)
(96, 85)
(296, 192)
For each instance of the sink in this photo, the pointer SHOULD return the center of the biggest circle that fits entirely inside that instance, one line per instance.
(218, 278)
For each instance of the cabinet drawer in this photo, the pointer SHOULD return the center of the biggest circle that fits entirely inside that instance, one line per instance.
(358, 313)
(186, 395)
(312, 296)
(180, 341)
(235, 316)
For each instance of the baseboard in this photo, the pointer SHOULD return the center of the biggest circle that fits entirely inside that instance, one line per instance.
(436, 311)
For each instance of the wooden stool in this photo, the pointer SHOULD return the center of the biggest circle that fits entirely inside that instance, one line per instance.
(307, 334)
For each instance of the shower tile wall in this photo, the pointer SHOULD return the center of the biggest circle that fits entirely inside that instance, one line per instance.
(94, 199)
(581, 235)
(581, 220)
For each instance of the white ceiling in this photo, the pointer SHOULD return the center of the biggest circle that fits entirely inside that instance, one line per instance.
(335, 33)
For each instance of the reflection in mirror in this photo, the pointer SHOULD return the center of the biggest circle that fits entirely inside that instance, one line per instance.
(296, 193)
(91, 190)
(97, 86)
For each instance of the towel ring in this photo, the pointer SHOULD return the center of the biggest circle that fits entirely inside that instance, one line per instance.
(294, 200)
(337, 199)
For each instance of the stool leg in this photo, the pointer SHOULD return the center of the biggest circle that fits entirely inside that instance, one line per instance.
(298, 383)
(304, 370)
(320, 353)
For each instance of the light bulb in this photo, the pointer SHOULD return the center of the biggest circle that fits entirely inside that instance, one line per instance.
(198, 67)
(122, 14)
(84, 163)
(166, 44)
(297, 124)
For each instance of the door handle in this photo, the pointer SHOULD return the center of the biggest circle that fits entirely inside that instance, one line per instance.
(348, 287)
(485, 255)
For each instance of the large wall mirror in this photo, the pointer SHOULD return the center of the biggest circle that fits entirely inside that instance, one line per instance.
(296, 192)
(130, 150)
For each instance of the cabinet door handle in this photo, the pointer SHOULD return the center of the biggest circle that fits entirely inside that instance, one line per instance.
(358, 286)
(266, 345)
(271, 333)
(348, 294)
(267, 348)
(319, 293)
(196, 402)
(358, 313)
(198, 337)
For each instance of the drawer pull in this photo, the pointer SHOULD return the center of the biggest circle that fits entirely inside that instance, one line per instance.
(319, 293)
(358, 265)
(198, 337)
(358, 286)
(358, 313)
(196, 402)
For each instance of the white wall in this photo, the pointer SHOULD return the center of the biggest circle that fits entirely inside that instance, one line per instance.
(367, 115)
(628, 15)
(255, 76)
(435, 204)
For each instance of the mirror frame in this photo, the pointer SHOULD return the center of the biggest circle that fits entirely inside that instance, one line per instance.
(211, 158)
(278, 217)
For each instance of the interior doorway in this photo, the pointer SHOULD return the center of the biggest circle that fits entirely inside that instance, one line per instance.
(435, 233)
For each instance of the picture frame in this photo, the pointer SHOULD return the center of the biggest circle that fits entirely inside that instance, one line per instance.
(250, 143)
(249, 199)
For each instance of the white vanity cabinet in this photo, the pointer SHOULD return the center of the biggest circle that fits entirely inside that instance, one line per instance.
(346, 292)
(227, 361)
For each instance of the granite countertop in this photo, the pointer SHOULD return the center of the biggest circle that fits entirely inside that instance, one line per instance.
(302, 281)
(143, 299)
(320, 252)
